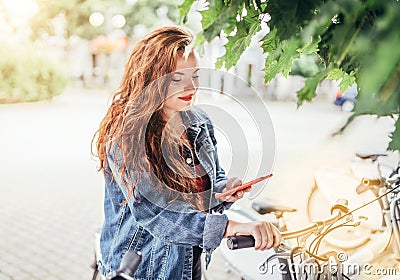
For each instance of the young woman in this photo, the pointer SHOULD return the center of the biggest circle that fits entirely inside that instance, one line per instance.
(161, 168)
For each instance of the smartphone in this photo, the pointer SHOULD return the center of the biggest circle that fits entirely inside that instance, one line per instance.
(242, 186)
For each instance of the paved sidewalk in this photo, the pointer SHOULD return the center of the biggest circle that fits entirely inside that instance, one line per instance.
(51, 194)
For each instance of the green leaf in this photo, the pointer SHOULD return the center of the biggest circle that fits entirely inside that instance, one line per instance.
(289, 16)
(336, 74)
(199, 43)
(200, 39)
(219, 17)
(395, 142)
(238, 43)
(258, 4)
(381, 64)
(210, 15)
(270, 41)
(346, 79)
(310, 47)
(184, 9)
(371, 103)
(320, 21)
(281, 59)
(308, 91)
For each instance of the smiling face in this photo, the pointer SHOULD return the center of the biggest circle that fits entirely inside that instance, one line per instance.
(184, 84)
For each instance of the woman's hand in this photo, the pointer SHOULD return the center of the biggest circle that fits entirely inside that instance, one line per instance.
(266, 235)
(231, 184)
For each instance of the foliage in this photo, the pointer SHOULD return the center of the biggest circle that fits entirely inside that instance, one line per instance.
(76, 15)
(146, 13)
(306, 66)
(356, 41)
(28, 76)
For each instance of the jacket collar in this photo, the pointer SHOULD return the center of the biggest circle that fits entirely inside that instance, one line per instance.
(192, 117)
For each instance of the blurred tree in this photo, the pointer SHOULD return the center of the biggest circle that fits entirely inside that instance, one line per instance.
(148, 13)
(356, 40)
(26, 75)
(76, 15)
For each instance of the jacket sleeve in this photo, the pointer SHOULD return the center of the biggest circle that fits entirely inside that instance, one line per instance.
(175, 222)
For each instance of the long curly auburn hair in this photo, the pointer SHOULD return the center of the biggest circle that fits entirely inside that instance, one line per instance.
(134, 122)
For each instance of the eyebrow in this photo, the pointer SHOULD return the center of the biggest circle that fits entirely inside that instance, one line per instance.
(180, 73)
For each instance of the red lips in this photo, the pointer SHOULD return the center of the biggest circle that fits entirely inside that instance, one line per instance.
(187, 97)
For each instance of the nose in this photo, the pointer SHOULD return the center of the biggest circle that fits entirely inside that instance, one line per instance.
(191, 84)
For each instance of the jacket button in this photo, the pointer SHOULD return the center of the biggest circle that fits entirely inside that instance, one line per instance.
(189, 160)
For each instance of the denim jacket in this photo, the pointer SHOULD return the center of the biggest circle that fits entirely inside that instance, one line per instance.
(165, 232)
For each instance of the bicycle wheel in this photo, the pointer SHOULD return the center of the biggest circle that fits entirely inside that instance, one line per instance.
(331, 185)
(318, 206)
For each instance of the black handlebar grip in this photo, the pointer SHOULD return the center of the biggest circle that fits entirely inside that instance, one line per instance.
(371, 182)
(129, 264)
(240, 241)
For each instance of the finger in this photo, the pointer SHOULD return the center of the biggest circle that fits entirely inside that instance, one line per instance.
(230, 198)
(229, 183)
(237, 183)
(235, 196)
(258, 238)
(234, 183)
(277, 237)
(270, 236)
(238, 194)
(264, 234)
(247, 189)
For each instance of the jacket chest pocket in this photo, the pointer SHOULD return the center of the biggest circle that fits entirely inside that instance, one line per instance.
(205, 143)
(206, 154)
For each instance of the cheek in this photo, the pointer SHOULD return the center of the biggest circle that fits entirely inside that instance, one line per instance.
(171, 101)
(174, 89)
(168, 102)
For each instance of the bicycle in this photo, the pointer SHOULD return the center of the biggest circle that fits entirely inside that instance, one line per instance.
(376, 210)
(381, 246)
(302, 261)
(330, 185)
(332, 264)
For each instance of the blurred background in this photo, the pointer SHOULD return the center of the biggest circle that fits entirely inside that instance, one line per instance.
(60, 61)
(85, 44)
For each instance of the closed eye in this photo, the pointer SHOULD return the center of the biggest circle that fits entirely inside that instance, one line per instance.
(176, 79)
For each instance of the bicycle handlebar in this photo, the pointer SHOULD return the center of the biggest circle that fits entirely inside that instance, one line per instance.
(247, 241)
(372, 182)
(366, 184)
(129, 264)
